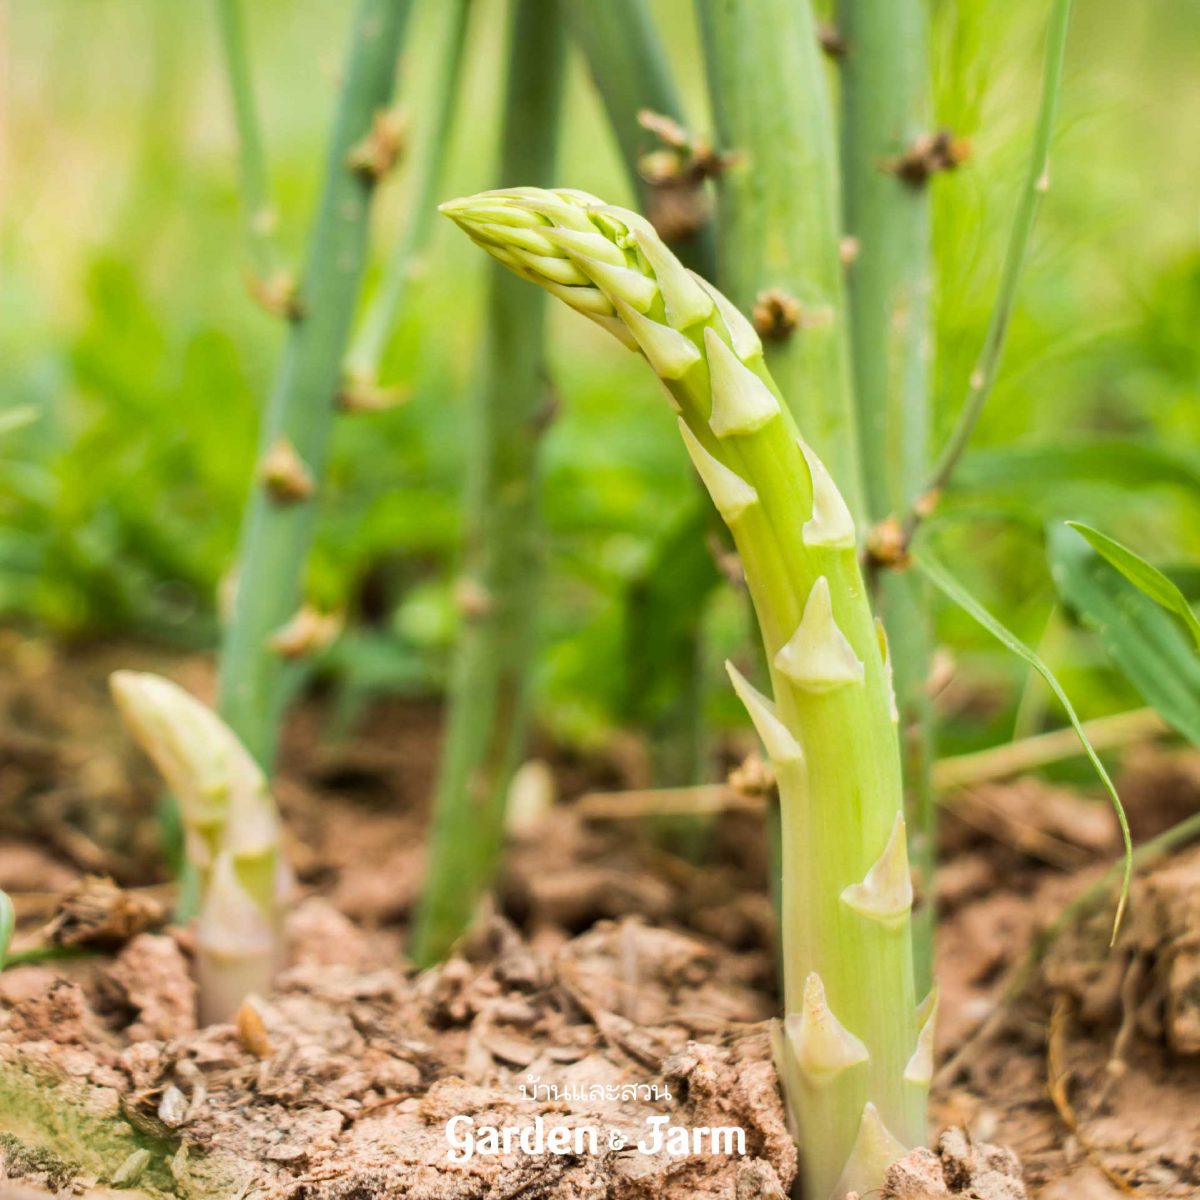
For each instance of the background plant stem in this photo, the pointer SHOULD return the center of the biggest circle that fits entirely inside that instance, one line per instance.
(629, 66)
(885, 107)
(430, 141)
(276, 536)
(489, 698)
(1037, 182)
(779, 218)
(258, 213)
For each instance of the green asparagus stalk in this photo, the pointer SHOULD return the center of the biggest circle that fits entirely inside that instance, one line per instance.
(430, 139)
(885, 110)
(270, 282)
(231, 836)
(489, 698)
(779, 246)
(628, 63)
(854, 1049)
(294, 441)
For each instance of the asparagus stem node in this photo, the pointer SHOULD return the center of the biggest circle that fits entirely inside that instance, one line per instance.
(885, 89)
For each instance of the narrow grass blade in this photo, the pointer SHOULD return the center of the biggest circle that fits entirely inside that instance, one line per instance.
(953, 590)
(1147, 579)
(8, 922)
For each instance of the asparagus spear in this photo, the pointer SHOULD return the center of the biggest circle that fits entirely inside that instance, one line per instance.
(231, 836)
(853, 1048)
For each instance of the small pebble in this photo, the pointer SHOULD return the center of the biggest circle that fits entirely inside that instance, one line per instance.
(173, 1107)
(131, 1170)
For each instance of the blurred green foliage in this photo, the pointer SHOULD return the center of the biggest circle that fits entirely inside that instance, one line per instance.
(124, 320)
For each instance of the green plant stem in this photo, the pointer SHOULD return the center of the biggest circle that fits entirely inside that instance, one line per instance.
(258, 213)
(277, 533)
(46, 953)
(856, 1072)
(489, 698)
(779, 214)
(885, 107)
(8, 923)
(1037, 182)
(431, 139)
(628, 63)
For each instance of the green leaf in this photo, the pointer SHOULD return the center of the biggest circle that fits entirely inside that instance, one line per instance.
(950, 587)
(1144, 642)
(1147, 579)
(1106, 463)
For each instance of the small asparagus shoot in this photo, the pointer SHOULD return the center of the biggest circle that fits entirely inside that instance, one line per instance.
(853, 1050)
(231, 835)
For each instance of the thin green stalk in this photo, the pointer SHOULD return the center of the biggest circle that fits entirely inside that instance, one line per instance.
(779, 236)
(489, 696)
(45, 953)
(628, 63)
(885, 108)
(431, 138)
(8, 923)
(278, 523)
(629, 66)
(258, 212)
(854, 1051)
(1037, 183)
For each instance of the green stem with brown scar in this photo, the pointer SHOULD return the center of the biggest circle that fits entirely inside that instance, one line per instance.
(278, 522)
(854, 1050)
(489, 695)
(274, 285)
(629, 65)
(885, 110)
(779, 217)
(431, 141)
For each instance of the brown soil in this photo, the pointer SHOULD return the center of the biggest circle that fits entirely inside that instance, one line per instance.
(609, 964)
